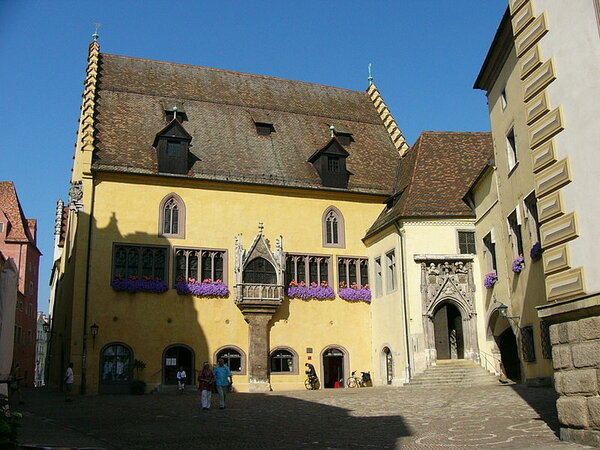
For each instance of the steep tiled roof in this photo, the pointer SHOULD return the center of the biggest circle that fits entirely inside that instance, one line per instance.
(220, 106)
(435, 175)
(18, 231)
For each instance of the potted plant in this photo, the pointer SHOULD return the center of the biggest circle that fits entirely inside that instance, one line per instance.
(305, 291)
(135, 284)
(518, 264)
(490, 280)
(536, 251)
(355, 292)
(205, 288)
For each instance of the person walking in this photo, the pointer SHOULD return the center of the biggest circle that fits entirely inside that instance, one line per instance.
(206, 378)
(69, 379)
(14, 387)
(223, 380)
(181, 378)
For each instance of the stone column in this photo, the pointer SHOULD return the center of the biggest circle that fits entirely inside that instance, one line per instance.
(258, 352)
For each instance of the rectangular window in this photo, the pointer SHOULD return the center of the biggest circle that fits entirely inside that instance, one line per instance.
(139, 261)
(514, 225)
(333, 163)
(503, 99)
(490, 253)
(318, 268)
(353, 271)
(527, 345)
(173, 148)
(200, 264)
(466, 242)
(29, 337)
(391, 270)
(532, 221)
(378, 278)
(511, 148)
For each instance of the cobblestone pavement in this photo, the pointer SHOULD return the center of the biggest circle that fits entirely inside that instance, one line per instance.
(446, 418)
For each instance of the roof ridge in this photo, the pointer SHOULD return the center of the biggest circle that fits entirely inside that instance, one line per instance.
(414, 170)
(237, 72)
(454, 132)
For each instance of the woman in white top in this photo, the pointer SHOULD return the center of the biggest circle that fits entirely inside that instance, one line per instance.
(181, 377)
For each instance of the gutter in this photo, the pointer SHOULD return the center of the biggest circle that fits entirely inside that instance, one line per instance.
(401, 237)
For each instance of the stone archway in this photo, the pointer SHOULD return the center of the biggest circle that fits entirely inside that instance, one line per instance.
(447, 289)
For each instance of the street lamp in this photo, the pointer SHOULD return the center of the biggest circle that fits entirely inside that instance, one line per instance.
(503, 312)
(94, 330)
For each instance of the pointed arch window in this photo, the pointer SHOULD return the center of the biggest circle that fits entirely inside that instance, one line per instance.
(333, 228)
(172, 217)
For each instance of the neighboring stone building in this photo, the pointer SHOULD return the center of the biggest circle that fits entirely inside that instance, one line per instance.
(18, 241)
(41, 349)
(542, 85)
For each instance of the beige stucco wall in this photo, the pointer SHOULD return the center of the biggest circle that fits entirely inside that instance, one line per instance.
(577, 90)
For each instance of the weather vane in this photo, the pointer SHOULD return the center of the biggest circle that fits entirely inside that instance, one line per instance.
(370, 78)
(96, 35)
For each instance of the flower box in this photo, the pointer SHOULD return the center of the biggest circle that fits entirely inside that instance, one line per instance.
(536, 251)
(355, 293)
(490, 280)
(134, 284)
(313, 290)
(518, 264)
(206, 288)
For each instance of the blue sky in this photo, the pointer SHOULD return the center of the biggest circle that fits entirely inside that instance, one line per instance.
(426, 55)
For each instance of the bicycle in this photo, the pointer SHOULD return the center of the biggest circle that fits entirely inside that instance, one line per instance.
(312, 383)
(363, 381)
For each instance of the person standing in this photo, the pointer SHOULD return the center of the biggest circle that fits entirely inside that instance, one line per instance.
(223, 380)
(14, 387)
(206, 379)
(181, 377)
(69, 379)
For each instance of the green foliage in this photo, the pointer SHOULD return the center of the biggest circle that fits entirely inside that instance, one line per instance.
(9, 422)
(137, 387)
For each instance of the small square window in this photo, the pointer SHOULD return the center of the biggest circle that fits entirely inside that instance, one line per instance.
(333, 163)
(173, 148)
(264, 129)
(466, 242)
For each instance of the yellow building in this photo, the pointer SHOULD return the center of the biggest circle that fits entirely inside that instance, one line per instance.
(198, 195)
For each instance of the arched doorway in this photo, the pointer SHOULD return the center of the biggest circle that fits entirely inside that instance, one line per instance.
(509, 353)
(333, 367)
(389, 365)
(116, 367)
(448, 330)
(175, 357)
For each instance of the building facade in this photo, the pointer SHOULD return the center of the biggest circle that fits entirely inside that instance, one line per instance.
(541, 90)
(18, 242)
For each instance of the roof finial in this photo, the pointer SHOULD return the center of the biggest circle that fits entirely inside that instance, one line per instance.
(96, 35)
(174, 112)
(332, 129)
(261, 227)
(370, 78)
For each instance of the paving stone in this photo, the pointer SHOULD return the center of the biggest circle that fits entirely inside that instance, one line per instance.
(454, 417)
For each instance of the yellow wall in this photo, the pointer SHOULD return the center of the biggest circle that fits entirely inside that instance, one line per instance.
(128, 212)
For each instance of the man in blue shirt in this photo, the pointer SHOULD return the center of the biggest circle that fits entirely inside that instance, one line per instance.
(222, 381)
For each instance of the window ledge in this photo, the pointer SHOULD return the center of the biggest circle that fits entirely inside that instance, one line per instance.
(512, 169)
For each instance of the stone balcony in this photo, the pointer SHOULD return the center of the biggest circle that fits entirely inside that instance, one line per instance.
(258, 298)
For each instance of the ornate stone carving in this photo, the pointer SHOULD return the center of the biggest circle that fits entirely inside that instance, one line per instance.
(76, 195)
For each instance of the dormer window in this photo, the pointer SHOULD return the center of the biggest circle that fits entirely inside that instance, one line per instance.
(263, 123)
(174, 110)
(343, 134)
(330, 164)
(172, 144)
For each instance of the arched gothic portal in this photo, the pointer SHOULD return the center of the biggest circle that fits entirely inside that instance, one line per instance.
(449, 316)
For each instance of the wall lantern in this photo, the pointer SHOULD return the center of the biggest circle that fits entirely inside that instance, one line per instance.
(94, 330)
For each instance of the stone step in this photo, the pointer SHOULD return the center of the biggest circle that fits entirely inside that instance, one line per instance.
(453, 372)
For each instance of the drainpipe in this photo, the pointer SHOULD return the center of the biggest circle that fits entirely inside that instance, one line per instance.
(86, 295)
(404, 302)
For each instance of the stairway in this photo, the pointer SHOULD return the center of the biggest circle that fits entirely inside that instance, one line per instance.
(451, 372)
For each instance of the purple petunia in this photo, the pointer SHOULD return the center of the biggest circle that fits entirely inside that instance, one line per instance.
(204, 289)
(518, 264)
(134, 285)
(536, 251)
(305, 292)
(490, 280)
(355, 295)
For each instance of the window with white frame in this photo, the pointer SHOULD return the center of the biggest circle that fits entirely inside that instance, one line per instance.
(531, 218)
(489, 244)
(378, 278)
(514, 226)
(511, 148)
(282, 361)
(333, 228)
(390, 259)
(503, 100)
(466, 242)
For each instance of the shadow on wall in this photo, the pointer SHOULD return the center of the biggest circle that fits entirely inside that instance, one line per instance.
(144, 334)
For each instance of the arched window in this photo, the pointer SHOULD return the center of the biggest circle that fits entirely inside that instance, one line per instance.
(260, 271)
(172, 217)
(283, 361)
(233, 358)
(333, 228)
(117, 364)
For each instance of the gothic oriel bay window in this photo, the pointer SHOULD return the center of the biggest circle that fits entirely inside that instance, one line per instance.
(139, 261)
(307, 268)
(200, 264)
(353, 270)
(260, 271)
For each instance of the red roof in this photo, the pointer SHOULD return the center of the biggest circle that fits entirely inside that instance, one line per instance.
(18, 227)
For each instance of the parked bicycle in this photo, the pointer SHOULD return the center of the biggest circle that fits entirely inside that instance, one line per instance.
(312, 383)
(362, 381)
